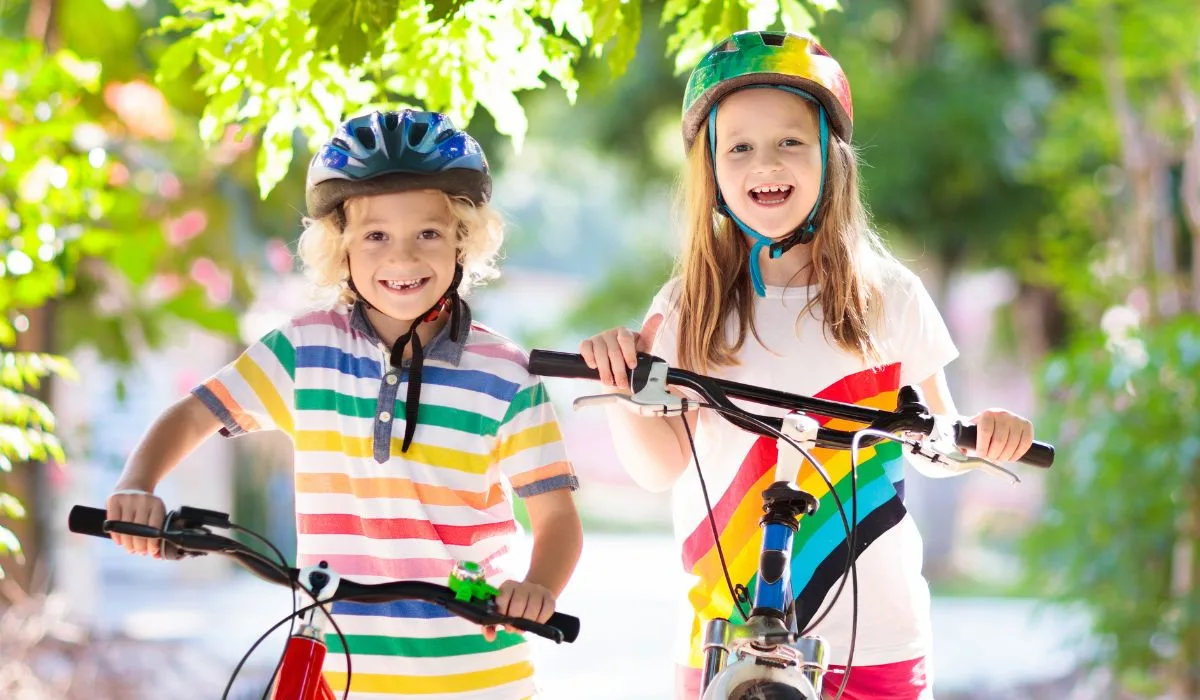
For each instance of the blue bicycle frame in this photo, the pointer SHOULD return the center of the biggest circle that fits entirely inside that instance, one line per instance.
(768, 632)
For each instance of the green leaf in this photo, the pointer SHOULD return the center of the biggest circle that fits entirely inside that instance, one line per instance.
(9, 544)
(176, 59)
(275, 153)
(762, 13)
(442, 9)
(11, 506)
(331, 18)
(352, 48)
(795, 17)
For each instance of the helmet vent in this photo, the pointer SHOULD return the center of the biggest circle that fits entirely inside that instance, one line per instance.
(772, 39)
(391, 120)
(365, 136)
(341, 144)
(416, 133)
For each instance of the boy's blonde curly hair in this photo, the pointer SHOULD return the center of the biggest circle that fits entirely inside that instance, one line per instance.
(323, 248)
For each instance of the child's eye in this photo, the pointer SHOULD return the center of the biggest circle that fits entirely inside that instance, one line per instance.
(792, 142)
(429, 234)
(740, 148)
(376, 236)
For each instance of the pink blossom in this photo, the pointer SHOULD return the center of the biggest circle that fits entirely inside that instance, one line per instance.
(163, 286)
(169, 186)
(218, 285)
(142, 108)
(186, 227)
(278, 256)
(118, 175)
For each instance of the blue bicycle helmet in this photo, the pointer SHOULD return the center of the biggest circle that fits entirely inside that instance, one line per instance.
(395, 151)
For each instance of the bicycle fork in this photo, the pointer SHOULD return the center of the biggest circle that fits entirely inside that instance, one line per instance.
(299, 676)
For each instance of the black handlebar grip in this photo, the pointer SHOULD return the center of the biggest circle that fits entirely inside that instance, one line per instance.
(567, 365)
(87, 521)
(1039, 454)
(84, 520)
(566, 625)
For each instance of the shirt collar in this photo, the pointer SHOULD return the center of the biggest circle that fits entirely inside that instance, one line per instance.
(441, 348)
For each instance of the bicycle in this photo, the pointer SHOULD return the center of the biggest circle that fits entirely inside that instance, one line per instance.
(187, 533)
(767, 657)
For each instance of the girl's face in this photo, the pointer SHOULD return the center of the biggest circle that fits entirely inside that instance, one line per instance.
(768, 158)
(402, 248)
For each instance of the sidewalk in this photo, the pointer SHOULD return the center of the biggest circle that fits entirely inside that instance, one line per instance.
(623, 594)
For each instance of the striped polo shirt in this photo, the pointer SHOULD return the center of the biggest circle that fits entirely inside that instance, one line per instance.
(485, 428)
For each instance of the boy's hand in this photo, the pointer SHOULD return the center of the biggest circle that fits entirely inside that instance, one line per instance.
(141, 507)
(531, 601)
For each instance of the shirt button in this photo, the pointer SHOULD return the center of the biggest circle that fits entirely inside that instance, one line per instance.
(385, 416)
(391, 379)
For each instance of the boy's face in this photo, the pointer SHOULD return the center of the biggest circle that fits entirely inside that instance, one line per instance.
(402, 248)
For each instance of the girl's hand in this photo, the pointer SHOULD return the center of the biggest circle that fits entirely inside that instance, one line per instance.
(1001, 436)
(141, 507)
(614, 352)
(531, 601)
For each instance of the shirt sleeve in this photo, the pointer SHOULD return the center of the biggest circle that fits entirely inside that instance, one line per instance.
(925, 344)
(530, 449)
(257, 390)
(666, 344)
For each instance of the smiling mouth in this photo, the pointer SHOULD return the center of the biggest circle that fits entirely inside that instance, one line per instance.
(771, 195)
(404, 286)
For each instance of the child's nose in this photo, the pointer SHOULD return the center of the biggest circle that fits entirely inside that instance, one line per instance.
(402, 250)
(768, 161)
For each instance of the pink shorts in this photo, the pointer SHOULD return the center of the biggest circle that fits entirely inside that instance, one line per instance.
(904, 680)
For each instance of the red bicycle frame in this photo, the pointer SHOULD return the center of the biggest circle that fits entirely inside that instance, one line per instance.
(300, 675)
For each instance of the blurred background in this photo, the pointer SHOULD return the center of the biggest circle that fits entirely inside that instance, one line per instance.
(1037, 162)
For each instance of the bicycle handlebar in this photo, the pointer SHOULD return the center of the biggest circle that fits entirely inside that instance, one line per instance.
(196, 541)
(910, 416)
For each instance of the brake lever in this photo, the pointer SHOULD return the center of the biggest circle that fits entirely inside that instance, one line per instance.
(940, 448)
(650, 396)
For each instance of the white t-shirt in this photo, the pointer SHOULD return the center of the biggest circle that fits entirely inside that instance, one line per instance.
(795, 356)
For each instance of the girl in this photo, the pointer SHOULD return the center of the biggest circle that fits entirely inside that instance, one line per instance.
(783, 283)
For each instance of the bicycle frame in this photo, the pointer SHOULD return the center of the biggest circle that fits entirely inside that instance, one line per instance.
(186, 533)
(299, 676)
(769, 632)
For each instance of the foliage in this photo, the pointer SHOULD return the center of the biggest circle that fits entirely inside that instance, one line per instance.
(1127, 420)
(278, 66)
(26, 429)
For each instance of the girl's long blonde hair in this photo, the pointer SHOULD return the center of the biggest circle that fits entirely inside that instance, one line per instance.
(323, 245)
(848, 262)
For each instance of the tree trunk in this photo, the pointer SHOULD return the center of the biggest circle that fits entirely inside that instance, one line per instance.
(1189, 184)
(1014, 29)
(1185, 566)
(924, 23)
(27, 481)
(940, 499)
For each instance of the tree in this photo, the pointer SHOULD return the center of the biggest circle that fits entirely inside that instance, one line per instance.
(1122, 527)
(279, 66)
